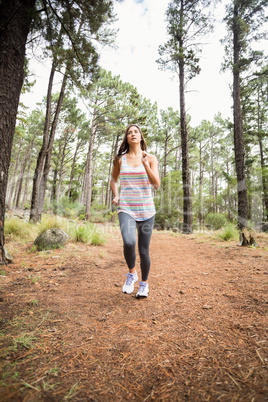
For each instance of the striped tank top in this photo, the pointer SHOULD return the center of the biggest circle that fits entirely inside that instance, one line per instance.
(135, 194)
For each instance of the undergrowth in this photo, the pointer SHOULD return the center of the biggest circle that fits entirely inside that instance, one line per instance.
(17, 229)
(20, 231)
(86, 233)
(229, 232)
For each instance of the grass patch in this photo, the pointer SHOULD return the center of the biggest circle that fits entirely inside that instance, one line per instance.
(51, 222)
(97, 239)
(19, 230)
(33, 302)
(24, 341)
(86, 233)
(229, 232)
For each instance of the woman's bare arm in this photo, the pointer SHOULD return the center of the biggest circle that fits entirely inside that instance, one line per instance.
(114, 180)
(151, 166)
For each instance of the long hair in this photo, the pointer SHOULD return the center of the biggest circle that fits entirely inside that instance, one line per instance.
(124, 147)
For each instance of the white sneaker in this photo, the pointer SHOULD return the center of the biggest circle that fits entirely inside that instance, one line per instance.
(128, 286)
(143, 290)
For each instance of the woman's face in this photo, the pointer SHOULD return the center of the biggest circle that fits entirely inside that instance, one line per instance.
(133, 135)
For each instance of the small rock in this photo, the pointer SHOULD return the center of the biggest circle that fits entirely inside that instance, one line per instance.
(8, 257)
(207, 307)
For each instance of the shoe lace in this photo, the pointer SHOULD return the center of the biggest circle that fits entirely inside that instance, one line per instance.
(142, 286)
(130, 279)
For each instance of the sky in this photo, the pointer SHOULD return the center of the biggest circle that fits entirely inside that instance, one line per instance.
(141, 29)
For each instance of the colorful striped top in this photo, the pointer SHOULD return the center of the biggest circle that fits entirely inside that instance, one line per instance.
(135, 194)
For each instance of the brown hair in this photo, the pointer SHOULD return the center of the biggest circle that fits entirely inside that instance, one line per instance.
(124, 147)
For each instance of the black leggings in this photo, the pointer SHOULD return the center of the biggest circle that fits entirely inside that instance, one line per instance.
(128, 230)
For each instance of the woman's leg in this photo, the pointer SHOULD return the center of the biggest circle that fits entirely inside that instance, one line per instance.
(128, 232)
(145, 229)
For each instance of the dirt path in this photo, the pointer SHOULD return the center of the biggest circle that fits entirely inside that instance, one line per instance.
(201, 335)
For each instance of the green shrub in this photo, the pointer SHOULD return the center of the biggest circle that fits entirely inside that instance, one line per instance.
(229, 232)
(65, 207)
(99, 207)
(215, 221)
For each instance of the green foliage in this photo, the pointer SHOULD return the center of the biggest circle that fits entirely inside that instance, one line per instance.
(215, 221)
(229, 232)
(67, 208)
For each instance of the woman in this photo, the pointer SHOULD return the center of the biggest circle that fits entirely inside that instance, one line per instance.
(137, 170)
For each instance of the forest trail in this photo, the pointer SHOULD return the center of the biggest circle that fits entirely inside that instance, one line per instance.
(201, 334)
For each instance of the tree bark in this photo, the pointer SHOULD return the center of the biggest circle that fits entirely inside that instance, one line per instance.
(26, 184)
(238, 128)
(187, 199)
(22, 175)
(50, 145)
(166, 153)
(35, 213)
(264, 170)
(108, 197)
(88, 173)
(15, 20)
(212, 171)
(79, 142)
(13, 180)
(200, 214)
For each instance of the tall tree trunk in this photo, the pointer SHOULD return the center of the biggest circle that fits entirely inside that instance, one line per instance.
(264, 169)
(200, 214)
(165, 153)
(72, 168)
(15, 21)
(212, 171)
(187, 199)
(108, 189)
(26, 184)
(50, 144)
(54, 191)
(14, 177)
(22, 174)
(88, 173)
(238, 128)
(228, 190)
(264, 177)
(35, 214)
(62, 158)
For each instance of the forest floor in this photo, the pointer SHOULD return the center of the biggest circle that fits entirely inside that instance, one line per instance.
(67, 332)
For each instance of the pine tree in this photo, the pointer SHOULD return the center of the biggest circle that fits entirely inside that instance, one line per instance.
(187, 21)
(243, 19)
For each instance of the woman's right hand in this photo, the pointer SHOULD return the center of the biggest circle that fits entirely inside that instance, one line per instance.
(115, 201)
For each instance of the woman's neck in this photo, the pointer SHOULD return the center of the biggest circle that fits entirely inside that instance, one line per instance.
(135, 150)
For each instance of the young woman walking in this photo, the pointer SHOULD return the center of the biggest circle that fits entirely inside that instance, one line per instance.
(138, 171)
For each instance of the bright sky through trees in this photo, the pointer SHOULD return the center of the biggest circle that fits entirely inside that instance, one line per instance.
(141, 29)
